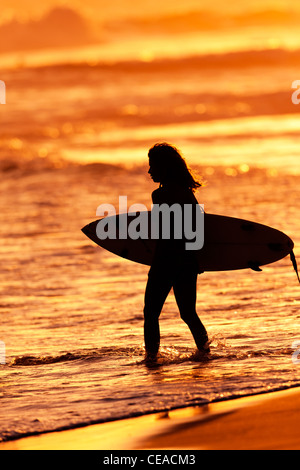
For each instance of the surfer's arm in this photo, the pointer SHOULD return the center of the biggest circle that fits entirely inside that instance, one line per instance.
(156, 196)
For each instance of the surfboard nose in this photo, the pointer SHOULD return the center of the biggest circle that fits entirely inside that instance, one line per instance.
(87, 230)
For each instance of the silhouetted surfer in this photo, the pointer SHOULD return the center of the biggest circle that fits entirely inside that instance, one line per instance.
(173, 265)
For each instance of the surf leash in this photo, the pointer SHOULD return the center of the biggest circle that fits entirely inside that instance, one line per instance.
(293, 260)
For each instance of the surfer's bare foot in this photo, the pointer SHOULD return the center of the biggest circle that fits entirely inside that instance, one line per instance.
(204, 350)
(150, 358)
(203, 342)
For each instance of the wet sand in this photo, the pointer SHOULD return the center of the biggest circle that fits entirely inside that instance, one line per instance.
(268, 421)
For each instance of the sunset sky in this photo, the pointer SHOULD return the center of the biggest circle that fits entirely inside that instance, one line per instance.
(30, 25)
(32, 5)
(109, 9)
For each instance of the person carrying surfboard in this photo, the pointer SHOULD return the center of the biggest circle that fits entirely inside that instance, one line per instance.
(173, 266)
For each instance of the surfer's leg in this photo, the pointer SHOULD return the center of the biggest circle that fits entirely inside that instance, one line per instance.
(157, 290)
(185, 291)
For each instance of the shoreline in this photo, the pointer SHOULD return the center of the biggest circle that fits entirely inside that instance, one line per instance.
(264, 421)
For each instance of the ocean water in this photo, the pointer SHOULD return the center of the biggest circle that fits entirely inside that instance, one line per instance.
(74, 136)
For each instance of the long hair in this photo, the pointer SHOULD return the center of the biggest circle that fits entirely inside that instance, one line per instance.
(173, 166)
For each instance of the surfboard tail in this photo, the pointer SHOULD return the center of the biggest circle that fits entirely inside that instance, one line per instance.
(293, 259)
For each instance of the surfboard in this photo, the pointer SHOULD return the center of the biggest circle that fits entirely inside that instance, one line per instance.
(229, 243)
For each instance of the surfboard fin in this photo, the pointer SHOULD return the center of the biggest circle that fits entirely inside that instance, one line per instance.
(293, 260)
(253, 265)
